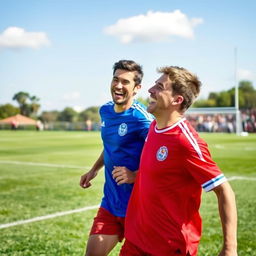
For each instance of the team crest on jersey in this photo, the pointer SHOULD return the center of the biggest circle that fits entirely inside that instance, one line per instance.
(122, 130)
(162, 153)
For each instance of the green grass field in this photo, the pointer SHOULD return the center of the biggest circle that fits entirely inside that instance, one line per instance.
(40, 172)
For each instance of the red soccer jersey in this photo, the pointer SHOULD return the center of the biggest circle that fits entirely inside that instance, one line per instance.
(163, 212)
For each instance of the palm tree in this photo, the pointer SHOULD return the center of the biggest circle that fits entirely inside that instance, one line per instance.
(29, 105)
(21, 98)
(34, 106)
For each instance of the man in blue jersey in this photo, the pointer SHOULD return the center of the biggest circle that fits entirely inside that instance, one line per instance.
(124, 128)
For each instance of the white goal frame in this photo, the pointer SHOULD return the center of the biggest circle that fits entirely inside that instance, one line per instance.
(219, 110)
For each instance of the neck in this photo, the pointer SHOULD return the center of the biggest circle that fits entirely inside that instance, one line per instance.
(121, 108)
(164, 121)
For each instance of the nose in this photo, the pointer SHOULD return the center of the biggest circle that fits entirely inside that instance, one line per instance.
(118, 84)
(151, 89)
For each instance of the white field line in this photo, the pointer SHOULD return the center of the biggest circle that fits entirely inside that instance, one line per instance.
(58, 214)
(242, 178)
(43, 164)
(50, 216)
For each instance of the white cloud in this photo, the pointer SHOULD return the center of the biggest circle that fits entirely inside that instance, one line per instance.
(71, 96)
(14, 37)
(154, 26)
(243, 74)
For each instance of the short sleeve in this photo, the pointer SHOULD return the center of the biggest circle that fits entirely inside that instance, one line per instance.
(200, 165)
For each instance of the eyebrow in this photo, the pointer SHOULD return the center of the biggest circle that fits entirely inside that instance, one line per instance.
(158, 83)
(121, 79)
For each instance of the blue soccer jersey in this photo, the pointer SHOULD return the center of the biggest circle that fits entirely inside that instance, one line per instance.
(123, 135)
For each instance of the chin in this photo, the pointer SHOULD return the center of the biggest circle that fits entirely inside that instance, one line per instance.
(150, 110)
(120, 103)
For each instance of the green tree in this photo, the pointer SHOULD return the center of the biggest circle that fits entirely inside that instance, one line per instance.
(213, 96)
(7, 110)
(241, 97)
(246, 86)
(29, 105)
(204, 103)
(91, 113)
(247, 97)
(49, 116)
(224, 99)
(248, 93)
(34, 105)
(22, 98)
(68, 115)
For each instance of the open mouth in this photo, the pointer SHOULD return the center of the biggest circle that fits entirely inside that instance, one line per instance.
(152, 101)
(118, 95)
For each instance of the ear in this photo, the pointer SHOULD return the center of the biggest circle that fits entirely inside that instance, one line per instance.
(178, 99)
(136, 88)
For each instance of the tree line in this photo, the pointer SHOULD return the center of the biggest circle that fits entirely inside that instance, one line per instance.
(247, 97)
(29, 105)
(70, 115)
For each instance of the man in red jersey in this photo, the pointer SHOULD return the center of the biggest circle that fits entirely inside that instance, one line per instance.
(163, 212)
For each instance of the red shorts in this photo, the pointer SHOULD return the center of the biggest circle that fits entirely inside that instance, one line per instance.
(130, 249)
(106, 223)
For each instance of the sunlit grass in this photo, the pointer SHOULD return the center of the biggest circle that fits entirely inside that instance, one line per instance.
(28, 191)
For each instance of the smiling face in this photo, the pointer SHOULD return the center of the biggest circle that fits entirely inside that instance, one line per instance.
(123, 89)
(162, 98)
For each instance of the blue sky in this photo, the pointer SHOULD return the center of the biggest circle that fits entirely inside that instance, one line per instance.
(63, 51)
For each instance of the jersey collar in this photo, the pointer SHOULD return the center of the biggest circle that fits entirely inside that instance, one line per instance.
(169, 127)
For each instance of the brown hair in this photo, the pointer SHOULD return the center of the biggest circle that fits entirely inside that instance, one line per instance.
(183, 83)
(130, 65)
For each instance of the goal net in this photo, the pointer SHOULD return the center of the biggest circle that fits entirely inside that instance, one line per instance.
(224, 119)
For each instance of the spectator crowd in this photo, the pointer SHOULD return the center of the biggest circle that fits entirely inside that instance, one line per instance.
(223, 122)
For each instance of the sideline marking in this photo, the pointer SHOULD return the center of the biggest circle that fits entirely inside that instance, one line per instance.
(50, 216)
(241, 178)
(43, 164)
(54, 215)
(218, 146)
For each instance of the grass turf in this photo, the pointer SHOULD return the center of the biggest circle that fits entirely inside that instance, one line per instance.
(28, 190)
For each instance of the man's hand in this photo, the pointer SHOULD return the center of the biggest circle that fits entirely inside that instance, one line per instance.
(123, 175)
(86, 178)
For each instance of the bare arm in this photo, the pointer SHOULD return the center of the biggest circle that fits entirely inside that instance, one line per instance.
(87, 177)
(228, 216)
